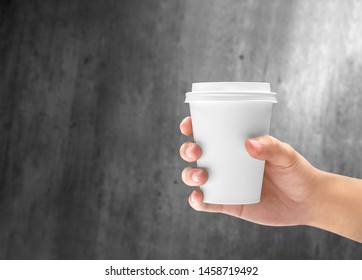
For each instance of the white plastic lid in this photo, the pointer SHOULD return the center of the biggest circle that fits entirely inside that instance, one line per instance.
(231, 91)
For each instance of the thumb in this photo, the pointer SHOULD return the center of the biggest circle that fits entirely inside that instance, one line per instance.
(272, 150)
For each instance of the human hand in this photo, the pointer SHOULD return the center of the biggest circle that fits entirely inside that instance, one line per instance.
(288, 195)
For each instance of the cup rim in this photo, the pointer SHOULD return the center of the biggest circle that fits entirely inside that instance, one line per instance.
(233, 93)
(230, 96)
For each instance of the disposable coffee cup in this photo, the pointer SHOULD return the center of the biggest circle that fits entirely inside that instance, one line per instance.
(224, 115)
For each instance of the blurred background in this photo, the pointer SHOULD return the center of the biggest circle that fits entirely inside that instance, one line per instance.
(91, 97)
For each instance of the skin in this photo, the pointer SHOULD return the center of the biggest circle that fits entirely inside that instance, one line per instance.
(294, 191)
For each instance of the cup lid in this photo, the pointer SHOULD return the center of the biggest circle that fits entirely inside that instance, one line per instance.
(231, 91)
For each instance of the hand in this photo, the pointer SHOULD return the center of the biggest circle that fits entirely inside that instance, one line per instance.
(289, 184)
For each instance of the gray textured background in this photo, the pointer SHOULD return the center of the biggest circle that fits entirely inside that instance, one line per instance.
(91, 98)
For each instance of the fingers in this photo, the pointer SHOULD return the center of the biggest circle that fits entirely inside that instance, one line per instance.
(194, 176)
(190, 151)
(196, 202)
(191, 176)
(272, 150)
(186, 126)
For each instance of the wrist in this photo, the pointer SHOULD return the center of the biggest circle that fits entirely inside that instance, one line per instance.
(319, 203)
(337, 207)
(315, 199)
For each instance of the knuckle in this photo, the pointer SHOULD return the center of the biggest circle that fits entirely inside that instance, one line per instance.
(204, 175)
(273, 142)
(186, 176)
(182, 150)
(183, 174)
(197, 208)
(197, 149)
(190, 151)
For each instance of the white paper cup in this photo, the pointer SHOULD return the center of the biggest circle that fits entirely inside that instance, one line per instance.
(224, 115)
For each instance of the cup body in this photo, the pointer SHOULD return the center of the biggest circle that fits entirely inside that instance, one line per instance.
(220, 127)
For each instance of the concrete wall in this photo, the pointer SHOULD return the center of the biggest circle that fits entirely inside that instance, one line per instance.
(91, 96)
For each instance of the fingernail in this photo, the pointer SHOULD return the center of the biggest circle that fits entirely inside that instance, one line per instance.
(195, 176)
(256, 142)
(188, 153)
